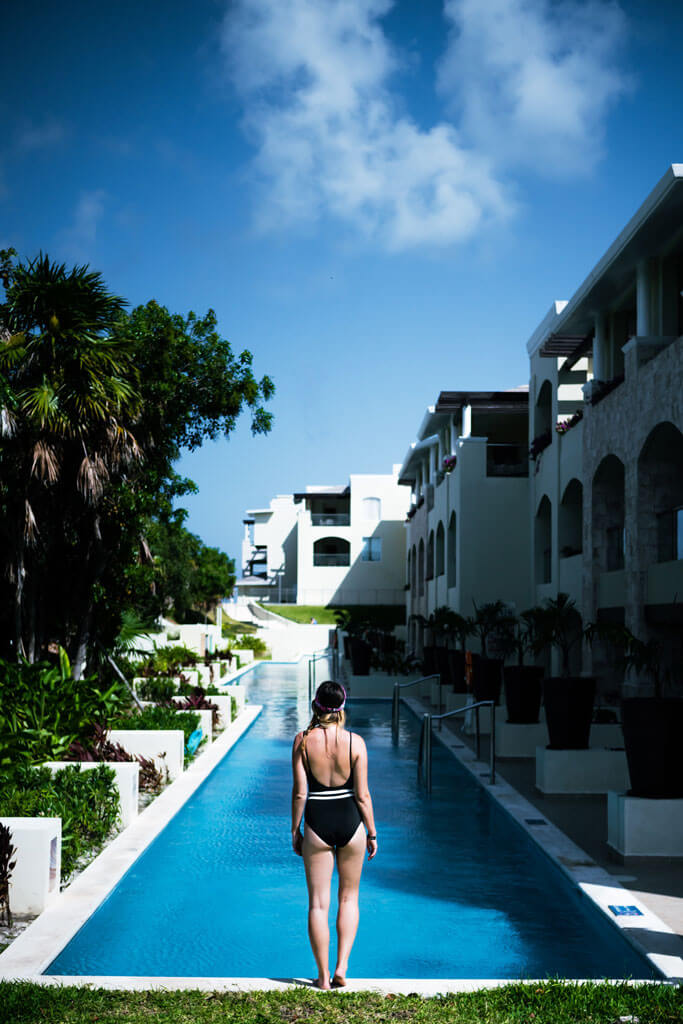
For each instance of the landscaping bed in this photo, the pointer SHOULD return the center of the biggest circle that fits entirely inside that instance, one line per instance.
(552, 1002)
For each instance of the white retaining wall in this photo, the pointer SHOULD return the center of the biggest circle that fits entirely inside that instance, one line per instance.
(164, 746)
(37, 872)
(127, 782)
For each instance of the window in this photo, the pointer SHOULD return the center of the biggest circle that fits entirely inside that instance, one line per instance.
(440, 550)
(372, 549)
(331, 551)
(372, 509)
(670, 535)
(615, 548)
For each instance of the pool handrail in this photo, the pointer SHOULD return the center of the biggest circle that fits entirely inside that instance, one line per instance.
(424, 752)
(395, 699)
(327, 652)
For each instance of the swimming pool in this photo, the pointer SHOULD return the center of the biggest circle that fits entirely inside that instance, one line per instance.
(457, 890)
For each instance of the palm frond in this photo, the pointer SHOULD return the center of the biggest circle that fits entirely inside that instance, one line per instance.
(45, 463)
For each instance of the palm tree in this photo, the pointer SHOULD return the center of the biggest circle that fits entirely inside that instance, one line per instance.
(68, 400)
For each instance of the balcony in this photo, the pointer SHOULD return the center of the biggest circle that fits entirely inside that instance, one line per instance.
(327, 560)
(507, 459)
(330, 519)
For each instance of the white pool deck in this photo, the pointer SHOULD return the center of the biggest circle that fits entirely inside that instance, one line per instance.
(35, 948)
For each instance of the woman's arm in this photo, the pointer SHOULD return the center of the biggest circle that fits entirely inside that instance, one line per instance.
(299, 792)
(363, 798)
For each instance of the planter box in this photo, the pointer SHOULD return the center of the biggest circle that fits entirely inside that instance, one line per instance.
(245, 654)
(205, 715)
(522, 740)
(127, 782)
(223, 702)
(238, 692)
(514, 740)
(640, 827)
(36, 875)
(581, 771)
(164, 746)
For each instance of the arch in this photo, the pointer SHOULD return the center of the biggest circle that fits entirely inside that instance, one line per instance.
(331, 551)
(608, 514)
(570, 521)
(543, 412)
(421, 568)
(543, 541)
(439, 556)
(372, 509)
(452, 552)
(660, 495)
(429, 571)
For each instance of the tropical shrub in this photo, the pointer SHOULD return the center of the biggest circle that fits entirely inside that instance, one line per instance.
(251, 643)
(99, 748)
(7, 866)
(157, 689)
(87, 802)
(160, 718)
(43, 709)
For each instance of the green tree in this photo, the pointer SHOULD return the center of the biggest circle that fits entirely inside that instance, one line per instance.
(95, 407)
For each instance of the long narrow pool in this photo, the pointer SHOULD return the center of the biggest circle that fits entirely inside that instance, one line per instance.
(457, 890)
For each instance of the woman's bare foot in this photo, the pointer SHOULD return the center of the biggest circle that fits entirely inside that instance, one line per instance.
(339, 981)
(323, 983)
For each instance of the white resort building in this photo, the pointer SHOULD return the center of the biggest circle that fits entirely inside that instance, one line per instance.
(329, 544)
(607, 497)
(468, 466)
(595, 509)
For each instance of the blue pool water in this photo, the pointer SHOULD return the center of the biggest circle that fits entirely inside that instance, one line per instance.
(457, 890)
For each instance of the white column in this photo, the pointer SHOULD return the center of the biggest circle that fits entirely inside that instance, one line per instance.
(467, 421)
(644, 299)
(600, 371)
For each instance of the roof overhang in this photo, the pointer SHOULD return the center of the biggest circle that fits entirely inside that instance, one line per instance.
(417, 453)
(657, 223)
(341, 492)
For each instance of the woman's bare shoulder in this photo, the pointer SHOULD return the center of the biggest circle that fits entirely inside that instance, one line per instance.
(297, 740)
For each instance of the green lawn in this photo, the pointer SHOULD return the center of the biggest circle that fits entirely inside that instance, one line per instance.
(547, 1003)
(304, 613)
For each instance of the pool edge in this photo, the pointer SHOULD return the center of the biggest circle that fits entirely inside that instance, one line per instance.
(43, 940)
(593, 881)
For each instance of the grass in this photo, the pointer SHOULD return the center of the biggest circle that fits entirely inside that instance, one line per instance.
(552, 1002)
(381, 615)
(233, 627)
(304, 613)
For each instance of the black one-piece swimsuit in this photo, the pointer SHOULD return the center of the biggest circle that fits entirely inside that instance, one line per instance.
(332, 811)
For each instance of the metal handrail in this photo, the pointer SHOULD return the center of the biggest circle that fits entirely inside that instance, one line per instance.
(313, 658)
(395, 704)
(425, 747)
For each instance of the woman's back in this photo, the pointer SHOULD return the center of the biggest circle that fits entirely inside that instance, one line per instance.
(328, 755)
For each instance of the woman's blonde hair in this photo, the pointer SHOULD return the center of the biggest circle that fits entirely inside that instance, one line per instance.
(327, 707)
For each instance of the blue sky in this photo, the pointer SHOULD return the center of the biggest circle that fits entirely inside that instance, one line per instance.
(380, 200)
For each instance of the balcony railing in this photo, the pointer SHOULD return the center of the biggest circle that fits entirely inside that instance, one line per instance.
(507, 459)
(332, 559)
(330, 519)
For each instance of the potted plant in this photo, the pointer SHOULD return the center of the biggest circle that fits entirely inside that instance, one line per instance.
(568, 699)
(522, 682)
(487, 678)
(652, 726)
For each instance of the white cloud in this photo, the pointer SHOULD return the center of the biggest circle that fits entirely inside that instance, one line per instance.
(41, 136)
(77, 241)
(524, 83)
(532, 80)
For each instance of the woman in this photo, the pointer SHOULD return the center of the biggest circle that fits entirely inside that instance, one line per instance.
(330, 767)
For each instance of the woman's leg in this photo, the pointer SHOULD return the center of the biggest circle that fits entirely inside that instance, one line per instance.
(319, 863)
(349, 864)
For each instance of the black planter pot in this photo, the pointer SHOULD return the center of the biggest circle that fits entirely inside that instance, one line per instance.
(487, 678)
(523, 693)
(429, 660)
(456, 665)
(360, 656)
(442, 666)
(568, 704)
(653, 732)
